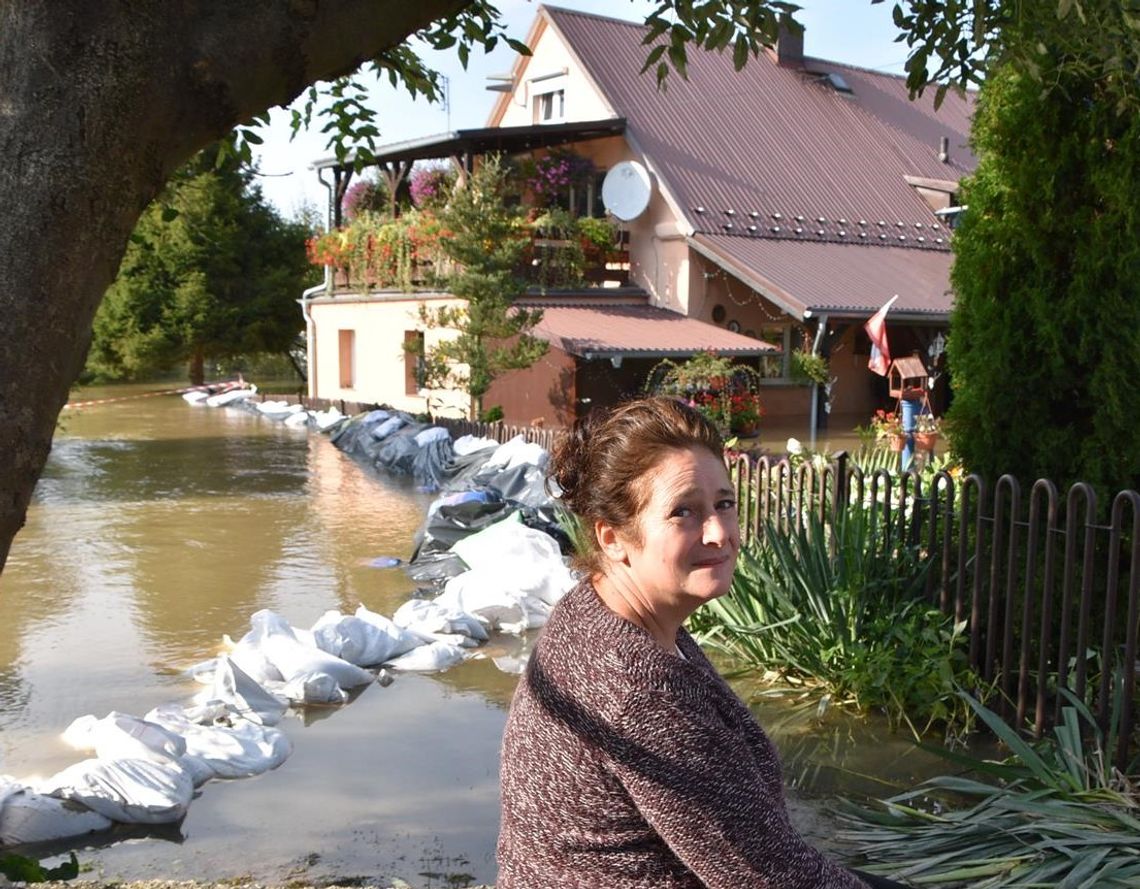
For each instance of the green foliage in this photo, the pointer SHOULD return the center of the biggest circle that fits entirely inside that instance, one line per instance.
(809, 367)
(375, 250)
(559, 258)
(1053, 814)
(487, 242)
(840, 607)
(211, 271)
(493, 414)
(1045, 333)
(20, 869)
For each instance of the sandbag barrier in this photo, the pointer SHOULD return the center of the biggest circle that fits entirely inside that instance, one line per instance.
(490, 547)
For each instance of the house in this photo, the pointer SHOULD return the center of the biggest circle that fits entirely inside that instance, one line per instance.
(786, 204)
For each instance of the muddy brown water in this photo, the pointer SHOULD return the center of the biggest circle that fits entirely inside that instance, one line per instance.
(157, 528)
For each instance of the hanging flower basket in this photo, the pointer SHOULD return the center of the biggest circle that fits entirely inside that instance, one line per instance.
(925, 441)
(897, 442)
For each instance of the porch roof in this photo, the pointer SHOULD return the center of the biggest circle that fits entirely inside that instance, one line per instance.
(841, 280)
(509, 140)
(638, 331)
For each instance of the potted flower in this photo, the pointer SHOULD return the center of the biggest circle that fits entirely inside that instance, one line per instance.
(925, 432)
(744, 413)
(887, 426)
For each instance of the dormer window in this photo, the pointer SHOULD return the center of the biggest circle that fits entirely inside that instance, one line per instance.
(550, 107)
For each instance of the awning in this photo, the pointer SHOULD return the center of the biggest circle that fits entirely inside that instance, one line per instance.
(626, 331)
(805, 278)
(508, 140)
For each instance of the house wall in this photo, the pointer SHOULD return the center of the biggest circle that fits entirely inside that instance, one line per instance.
(546, 390)
(549, 55)
(378, 365)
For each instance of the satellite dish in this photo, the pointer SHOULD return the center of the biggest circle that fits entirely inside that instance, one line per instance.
(626, 190)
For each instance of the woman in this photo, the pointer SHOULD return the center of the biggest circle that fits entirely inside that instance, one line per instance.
(627, 761)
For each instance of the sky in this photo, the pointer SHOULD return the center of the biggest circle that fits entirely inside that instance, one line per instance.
(850, 31)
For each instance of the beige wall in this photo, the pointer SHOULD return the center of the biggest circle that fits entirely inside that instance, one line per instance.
(549, 55)
(379, 369)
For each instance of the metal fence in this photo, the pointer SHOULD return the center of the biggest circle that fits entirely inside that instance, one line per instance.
(1049, 586)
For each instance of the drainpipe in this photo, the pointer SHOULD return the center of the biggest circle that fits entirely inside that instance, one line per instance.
(325, 288)
(821, 328)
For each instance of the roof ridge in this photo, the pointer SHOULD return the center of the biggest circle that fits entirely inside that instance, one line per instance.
(552, 7)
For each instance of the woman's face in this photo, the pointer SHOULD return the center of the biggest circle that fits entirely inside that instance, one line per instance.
(689, 534)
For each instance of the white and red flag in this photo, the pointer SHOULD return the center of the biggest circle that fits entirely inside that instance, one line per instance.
(876, 328)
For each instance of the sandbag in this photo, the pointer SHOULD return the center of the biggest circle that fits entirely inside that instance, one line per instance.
(526, 560)
(428, 616)
(429, 658)
(365, 639)
(134, 791)
(121, 736)
(272, 635)
(226, 746)
(30, 817)
(235, 688)
(470, 444)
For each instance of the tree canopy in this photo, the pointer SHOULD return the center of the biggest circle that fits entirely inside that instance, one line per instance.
(1044, 343)
(114, 97)
(211, 271)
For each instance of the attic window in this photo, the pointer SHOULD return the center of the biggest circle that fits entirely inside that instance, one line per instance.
(837, 82)
(550, 107)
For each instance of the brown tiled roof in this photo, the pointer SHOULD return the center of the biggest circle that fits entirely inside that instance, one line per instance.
(638, 331)
(778, 142)
(838, 279)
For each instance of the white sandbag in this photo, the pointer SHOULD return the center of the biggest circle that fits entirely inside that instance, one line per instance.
(325, 420)
(134, 791)
(298, 420)
(251, 660)
(198, 396)
(30, 817)
(229, 748)
(433, 433)
(469, 444)
(361, 642)
(313, 688)
(526, 560)
(231, 396)
(402, 641)
(121, 736)
(485, 597)
(517, 452)
(279, 642)
(387, 427)
(515, 666)
(429, 658)
(234, 687)
(374, 416)
(428, 616)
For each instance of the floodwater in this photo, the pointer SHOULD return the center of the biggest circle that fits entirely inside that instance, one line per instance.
(156, 529)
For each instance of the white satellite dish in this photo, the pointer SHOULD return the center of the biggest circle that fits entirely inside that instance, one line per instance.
(626, 190)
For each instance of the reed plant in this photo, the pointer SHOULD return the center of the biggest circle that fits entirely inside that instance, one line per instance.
(1054, 813)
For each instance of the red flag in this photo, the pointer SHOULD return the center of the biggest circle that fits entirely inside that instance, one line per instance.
(876, 328)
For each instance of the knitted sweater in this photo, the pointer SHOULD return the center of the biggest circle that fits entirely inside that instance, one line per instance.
(626, 766)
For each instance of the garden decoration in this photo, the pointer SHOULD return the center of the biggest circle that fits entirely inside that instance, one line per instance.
(908, 383)
(725, 392)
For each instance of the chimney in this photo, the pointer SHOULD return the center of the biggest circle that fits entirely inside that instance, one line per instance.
(789, 42)
(944, 149)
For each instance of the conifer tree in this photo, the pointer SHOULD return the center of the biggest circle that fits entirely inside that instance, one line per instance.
(487, 240)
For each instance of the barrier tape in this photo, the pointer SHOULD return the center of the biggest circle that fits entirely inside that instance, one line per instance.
(212, 388)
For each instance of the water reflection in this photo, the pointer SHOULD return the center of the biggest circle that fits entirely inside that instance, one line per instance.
(159, 527)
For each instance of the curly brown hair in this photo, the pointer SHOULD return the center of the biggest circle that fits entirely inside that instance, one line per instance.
(601, 463)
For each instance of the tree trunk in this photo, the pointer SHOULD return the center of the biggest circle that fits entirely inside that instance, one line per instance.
(99, 102)
(197, 367)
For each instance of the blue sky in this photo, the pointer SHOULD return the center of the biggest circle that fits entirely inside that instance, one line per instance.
(851, 31)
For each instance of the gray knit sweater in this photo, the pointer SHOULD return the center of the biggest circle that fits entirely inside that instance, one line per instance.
(626, 766)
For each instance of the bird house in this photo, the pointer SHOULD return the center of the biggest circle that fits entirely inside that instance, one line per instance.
(908, 378)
